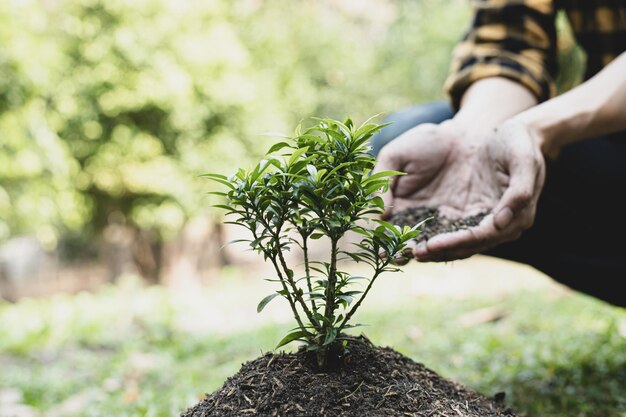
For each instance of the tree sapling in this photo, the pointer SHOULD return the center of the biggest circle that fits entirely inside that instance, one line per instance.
(318, 184)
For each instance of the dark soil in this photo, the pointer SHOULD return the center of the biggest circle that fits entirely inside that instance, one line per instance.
(372, 382)
(437, 225)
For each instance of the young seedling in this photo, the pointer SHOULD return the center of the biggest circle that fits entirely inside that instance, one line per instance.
(321, 185)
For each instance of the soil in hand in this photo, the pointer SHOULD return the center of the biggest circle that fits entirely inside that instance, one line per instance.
(371, 382)
(437, 224)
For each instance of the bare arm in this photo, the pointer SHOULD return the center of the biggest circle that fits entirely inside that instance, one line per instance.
(490, 101)
(596, 107)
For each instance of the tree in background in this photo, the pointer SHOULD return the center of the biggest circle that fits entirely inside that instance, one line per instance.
(109, 110)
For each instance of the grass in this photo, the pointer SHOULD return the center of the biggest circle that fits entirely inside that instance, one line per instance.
(127, 350)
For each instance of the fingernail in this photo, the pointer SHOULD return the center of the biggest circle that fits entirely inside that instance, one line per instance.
(503, 218)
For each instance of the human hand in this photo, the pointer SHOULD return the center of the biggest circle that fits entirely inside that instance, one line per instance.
(462, 172)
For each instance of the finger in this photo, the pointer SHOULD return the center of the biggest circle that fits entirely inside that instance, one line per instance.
(467, 242)
(401, 260)
(448, 245)
(448, 257)
(520, 194)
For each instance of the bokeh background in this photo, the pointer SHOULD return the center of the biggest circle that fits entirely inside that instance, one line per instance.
(119, 297)
(111, 109)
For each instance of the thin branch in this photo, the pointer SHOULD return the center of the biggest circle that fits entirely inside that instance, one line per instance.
(307, 269)
(272, 257)
(332, 278)
(296, 291)
(288, 296)
(379, 269)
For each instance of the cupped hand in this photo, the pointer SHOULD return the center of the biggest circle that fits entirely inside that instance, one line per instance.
(463, 171)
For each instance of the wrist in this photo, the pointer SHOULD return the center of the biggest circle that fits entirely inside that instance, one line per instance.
(490, 101)
(555, 123)
(473, 128)
(540, 129)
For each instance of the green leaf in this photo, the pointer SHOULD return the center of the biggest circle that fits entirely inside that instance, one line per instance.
(266, 300)
(230, 242)
(372, 118)
(378, 202)
(331, 335)
(320, 174)
(278, 146)
(298, 334)
(389, 227)
(296, 154)
(222, 206)
(218, 176)
(352, 326)
(382, 174)
(346, 298)
(367, 129)
(338, 167)
(226, 182)
(356, 277)
(259, 169)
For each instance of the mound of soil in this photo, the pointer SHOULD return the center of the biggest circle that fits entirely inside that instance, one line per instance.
(436, 225)
(372, 382)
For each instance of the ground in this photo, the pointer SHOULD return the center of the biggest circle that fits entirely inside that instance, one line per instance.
(493, 326)
(366, 381)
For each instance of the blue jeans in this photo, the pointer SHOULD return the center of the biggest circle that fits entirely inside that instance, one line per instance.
(579, 234)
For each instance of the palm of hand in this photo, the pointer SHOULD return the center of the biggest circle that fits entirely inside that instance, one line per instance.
(446, 169)
(462, 173)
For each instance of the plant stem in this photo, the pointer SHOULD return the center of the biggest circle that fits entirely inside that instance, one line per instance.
(272, 256)
(307, 270)
(332, 278)
(358, 303)
(296, 290)
(287, 295)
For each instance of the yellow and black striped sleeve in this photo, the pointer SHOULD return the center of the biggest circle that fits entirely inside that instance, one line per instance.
(515, 39)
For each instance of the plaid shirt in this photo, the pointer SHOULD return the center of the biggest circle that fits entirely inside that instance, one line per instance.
(516, 39)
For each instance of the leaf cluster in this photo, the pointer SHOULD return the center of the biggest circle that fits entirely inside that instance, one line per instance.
(317, 184)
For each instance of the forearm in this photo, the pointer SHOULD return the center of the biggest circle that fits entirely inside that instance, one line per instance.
(596, 107)
(490, 101)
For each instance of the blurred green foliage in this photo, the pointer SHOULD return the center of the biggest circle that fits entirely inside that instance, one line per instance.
(111, 109)
(132, 351)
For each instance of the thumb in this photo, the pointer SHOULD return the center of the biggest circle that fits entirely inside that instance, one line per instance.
(522, 189)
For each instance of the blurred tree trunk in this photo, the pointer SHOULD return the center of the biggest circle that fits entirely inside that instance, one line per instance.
(117, 250)
(180, 262)
(7, 289)
(148, 255)
(195, 251)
